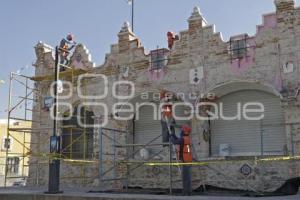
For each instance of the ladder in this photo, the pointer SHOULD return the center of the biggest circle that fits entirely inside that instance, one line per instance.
(174, 148)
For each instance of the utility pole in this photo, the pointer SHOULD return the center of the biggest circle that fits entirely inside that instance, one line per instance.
(131, 2)
(54, 165)
(132, 14)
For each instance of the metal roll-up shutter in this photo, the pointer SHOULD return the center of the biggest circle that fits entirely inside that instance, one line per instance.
(246, 137)
(180, 111)
(146, 129)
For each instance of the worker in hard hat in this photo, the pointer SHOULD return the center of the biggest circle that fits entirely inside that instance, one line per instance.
(65, 46)
(171, 38)
(184, 154)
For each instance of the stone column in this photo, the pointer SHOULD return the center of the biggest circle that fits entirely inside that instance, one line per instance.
(125, 36)
(200, 145)
(285, 14)
(196, 21)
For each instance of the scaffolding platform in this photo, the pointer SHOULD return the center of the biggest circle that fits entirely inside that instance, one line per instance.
(63, 74)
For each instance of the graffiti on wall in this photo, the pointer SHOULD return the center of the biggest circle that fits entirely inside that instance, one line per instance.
(290, 90)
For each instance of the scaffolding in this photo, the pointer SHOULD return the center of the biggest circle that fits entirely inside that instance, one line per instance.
(115, 138)
(129, 157)
(20, 109)
(77, 134)
(103, 160)
(14, 103)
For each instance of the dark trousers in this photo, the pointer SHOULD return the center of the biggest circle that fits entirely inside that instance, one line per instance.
(165, 130)
(186, 179)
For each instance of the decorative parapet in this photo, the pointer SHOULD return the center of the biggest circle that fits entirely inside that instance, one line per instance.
(45, 62)
(45, 59)
(41, 49)
(81, 58)
(284, 5)
(126, 54)
(269, 22)
(127, 39)
(196, 20)
(285, 10)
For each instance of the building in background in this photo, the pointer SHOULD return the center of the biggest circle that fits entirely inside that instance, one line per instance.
(15, 151)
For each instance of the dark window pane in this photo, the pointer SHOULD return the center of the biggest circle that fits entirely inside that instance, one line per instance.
(77, 141)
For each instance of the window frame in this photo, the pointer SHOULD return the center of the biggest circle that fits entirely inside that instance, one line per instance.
(238, 48)
(72, 146)
(3, 148)
(13, 165)
(158, 59)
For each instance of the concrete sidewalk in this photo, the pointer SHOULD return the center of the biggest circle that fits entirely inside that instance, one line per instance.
(38, 194)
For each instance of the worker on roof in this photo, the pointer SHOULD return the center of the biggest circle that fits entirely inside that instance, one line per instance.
(184, 154)
(65, 46)
(171, 38)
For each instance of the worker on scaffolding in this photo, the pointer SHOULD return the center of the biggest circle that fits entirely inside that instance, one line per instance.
(65, 46)
(167, 121)
(184, 154)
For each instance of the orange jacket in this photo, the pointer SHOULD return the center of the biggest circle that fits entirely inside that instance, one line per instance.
(184, 150)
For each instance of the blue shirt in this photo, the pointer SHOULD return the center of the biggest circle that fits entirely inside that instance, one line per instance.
(177, 140)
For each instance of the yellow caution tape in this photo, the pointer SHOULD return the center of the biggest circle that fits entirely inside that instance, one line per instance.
(145, 163)
(280, 158)
(283, 158)
(80, 161)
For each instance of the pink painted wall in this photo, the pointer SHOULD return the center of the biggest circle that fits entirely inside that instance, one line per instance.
(270, 22)
(239, 66)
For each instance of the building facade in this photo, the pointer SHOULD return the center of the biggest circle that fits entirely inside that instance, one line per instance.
(16, 162)
(247, 154)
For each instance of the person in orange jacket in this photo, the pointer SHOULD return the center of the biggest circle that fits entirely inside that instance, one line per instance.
(171, 38)
(184, 154)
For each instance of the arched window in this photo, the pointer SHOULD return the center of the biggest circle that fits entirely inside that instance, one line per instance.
(77, 141)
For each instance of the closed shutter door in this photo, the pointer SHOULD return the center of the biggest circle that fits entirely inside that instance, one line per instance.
(180, 112)
(146, 128)
(246, 137)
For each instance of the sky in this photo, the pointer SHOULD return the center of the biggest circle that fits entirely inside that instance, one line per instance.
(96, 24)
